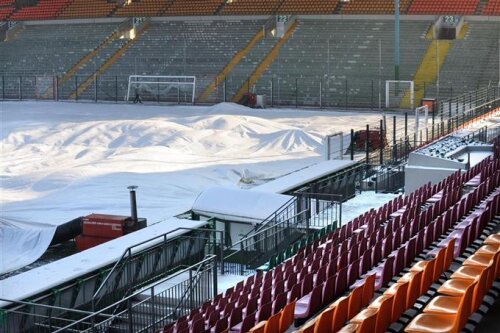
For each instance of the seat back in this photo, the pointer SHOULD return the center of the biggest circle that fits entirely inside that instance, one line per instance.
(399, 302)
(340, 314)
(324, 321)
(384, 317)
(439, 265)
(355, 301)
(264, 312)
(368, 289)
(259, 328)
(287, 317)
(273, 323)
(464, 309)
(367, 325)
(247, 324)
(450, 249)
(414, 287)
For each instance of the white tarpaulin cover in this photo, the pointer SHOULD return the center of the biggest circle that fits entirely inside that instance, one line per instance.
(237, 204)
(22, 242)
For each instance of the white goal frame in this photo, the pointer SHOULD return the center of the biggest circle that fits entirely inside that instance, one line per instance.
(412, 92)
(418, 111)
(165, 80)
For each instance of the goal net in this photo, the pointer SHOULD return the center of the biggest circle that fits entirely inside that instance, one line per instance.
(399, 94)
(178, 89)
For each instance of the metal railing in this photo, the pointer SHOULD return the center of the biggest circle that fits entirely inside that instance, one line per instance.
(141, 264)
(278, 89)
(152, 308)
(254, 250)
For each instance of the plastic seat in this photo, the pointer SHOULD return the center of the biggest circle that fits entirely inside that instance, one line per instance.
(400, 292)
(273, 324)
(341, 307)
(384, 305)
(355, 301)
(414, 280)
(428, 273)
(437, 323)
(366, 322)
(309, 304)
(247, 323)
(287, 316)
(259, 328)
(324, 321)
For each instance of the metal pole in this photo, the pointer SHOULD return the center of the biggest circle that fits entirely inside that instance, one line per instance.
(95, 87)
(379, 74)
(367, 142)
(321, 93)
(20, 88)
(116, 89)
(352, 144)
(396, 39)
(406, 125)
(296, 93)
(225, 89)
(381, 142)
(346, 101)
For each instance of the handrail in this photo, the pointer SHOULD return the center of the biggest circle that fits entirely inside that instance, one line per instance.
(138, 292)
(268, 219)
(128, 252)
(52, 307)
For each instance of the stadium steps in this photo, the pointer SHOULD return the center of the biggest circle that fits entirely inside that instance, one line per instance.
(109, 62)
(230, 66)
(264, 64)
(86, 58)
(427, 70)
(480, 6)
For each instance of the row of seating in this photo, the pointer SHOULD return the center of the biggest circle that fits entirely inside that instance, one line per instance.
(492, 8)
(304, 273)
(419, 278)
(49, 9)
(432, 7)
(443, 258)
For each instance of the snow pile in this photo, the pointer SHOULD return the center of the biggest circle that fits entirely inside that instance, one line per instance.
(62, 160)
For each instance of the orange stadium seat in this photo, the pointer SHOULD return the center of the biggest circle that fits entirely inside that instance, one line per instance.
(308, 6)
(193, 7)
(492, 8)
(251, 7)
(142, 8)
(464, 7)
(44, 10)
(374, 7)
(88, 9)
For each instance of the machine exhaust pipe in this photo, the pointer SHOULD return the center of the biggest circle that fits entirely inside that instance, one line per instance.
(133, 203)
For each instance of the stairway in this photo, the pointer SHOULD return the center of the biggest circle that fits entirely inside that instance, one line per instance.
(229, 67)
(265, 63)
(109, 62)
(426, 73)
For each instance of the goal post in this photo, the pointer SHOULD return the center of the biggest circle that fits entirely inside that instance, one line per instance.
(399, 94)
(162, 88)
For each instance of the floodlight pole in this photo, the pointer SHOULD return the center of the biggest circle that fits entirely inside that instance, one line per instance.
(396, 40)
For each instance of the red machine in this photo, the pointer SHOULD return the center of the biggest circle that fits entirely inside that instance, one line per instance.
(100, 228)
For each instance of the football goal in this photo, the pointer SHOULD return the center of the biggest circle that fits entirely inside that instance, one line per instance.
(155, 88)
(399, 94)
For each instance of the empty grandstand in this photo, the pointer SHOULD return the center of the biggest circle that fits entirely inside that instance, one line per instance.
(280, 254)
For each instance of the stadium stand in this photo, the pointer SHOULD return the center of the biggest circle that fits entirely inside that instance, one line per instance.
(307, 7)
(142, 8)
(333, 52)
(196, 7)
(423, 231)
(88, 9)
(472, 61)
(57, 46)
(374, 7)
(185, 48)
(43, 10)
(251, 7)
(443, 7)
(6, 8)
(492, 8)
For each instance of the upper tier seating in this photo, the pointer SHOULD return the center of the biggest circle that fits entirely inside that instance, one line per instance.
(433, 7)
(251, 7)
(44, 10)
(374, 7)
(87, 9)
(193, 7)
(142, 8)
(308, 6)
(6, 8)
(492, 8)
